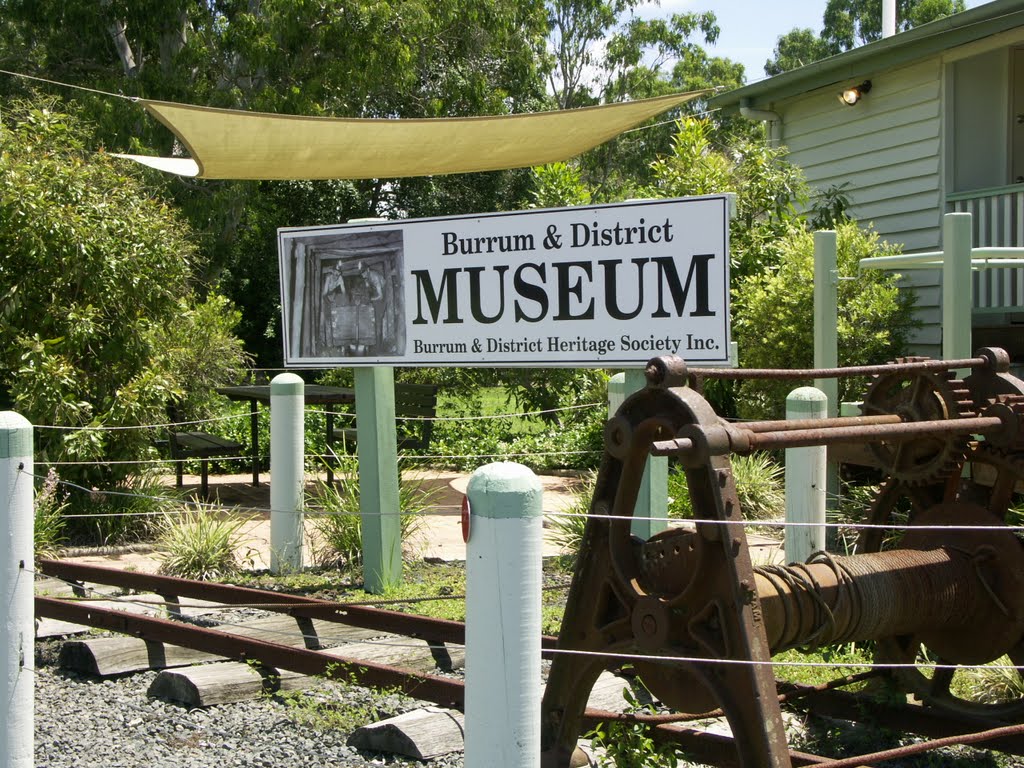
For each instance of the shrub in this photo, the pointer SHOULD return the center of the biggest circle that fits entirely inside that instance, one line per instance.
(122, 513)
(338, 541)
(773, 309)
(760, 487)
(566, 530)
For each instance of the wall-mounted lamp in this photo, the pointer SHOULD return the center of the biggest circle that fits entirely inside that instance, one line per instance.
(852, 95)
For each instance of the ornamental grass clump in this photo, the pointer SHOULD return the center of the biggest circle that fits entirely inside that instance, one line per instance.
(337, 523)
(201, 545)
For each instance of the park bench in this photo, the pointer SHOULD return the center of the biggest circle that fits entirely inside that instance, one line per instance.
(415, 409)
(184, 445)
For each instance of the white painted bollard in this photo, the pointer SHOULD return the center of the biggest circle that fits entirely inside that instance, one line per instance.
(503, 580)
(287, 471)
(17, 520)
(805, 480)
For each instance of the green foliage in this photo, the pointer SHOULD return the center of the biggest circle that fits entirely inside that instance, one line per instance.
(848, 23)
(831, 208)
(118, 514)
(760, 488)
(416, 59)
(572, 440)
(773, 309)
(203, 545)
(767, 188)
(797, 48)
(318, 707)
(338, 540)
(603, 52)
(50, 504)
(629, 744)
(559, 185)
(99, 325)
(567, 529)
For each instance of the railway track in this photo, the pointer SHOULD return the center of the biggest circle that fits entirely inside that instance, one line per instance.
(305, 653)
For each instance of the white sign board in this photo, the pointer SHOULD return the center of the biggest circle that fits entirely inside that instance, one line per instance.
(594, 287)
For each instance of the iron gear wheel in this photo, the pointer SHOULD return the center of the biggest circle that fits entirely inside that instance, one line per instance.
(919, 396)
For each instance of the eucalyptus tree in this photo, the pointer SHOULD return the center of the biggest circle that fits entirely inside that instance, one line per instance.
(416, 58)
(848, 23)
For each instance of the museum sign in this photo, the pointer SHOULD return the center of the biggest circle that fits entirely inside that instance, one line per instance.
(595, 286)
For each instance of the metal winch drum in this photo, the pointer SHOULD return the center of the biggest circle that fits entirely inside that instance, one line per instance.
(938, 573)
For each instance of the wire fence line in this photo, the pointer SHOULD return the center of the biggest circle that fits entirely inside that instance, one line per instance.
(313, 412)
(184, 501)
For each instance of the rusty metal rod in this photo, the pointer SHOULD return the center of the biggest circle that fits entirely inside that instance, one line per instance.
(832, 435)
(834, 373)
(872, 432)
(790, 425)
(926, 746)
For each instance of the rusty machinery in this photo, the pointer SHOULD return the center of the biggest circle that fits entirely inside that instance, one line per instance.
(952, 454)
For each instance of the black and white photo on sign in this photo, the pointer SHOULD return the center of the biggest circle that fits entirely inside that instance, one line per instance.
(347, 290)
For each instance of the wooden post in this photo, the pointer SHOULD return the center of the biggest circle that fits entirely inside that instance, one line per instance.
(957, 298)
(287, 472)
(377, 449)
(805, 481)
(503, 594)
(17, 520)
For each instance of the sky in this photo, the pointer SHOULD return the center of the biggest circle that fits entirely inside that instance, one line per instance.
(750, 28)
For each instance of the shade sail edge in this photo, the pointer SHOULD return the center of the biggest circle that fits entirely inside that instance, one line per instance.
(231, 144)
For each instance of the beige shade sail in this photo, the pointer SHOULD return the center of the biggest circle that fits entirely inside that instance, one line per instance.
(230, 144)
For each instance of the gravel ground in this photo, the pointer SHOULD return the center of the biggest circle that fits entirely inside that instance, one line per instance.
(88, 723)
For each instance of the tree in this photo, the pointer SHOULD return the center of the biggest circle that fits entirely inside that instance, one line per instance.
(848, 23)
(603, 52)
(771, 309)
(421, 58)
(797, 48)
(100, 324)
(767, 188)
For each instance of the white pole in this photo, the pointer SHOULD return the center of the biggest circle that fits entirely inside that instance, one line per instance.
(503, 579)
(805, 481)
(888, 18)
(957, 295)
(17, 520)
(826, 333)
(287, 479)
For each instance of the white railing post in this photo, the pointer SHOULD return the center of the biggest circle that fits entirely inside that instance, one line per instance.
(957, 299)
(826, 333)
(805, 481)
(287, 472)
(503, 595)
(17, 629)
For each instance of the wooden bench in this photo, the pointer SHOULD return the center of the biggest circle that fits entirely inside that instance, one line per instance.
(415, 409)
(186, 445)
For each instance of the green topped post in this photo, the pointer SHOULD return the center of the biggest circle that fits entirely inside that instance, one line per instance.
(826, 336)
(287, 472)
(957, 298)
(377, 449)
(652, 501)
